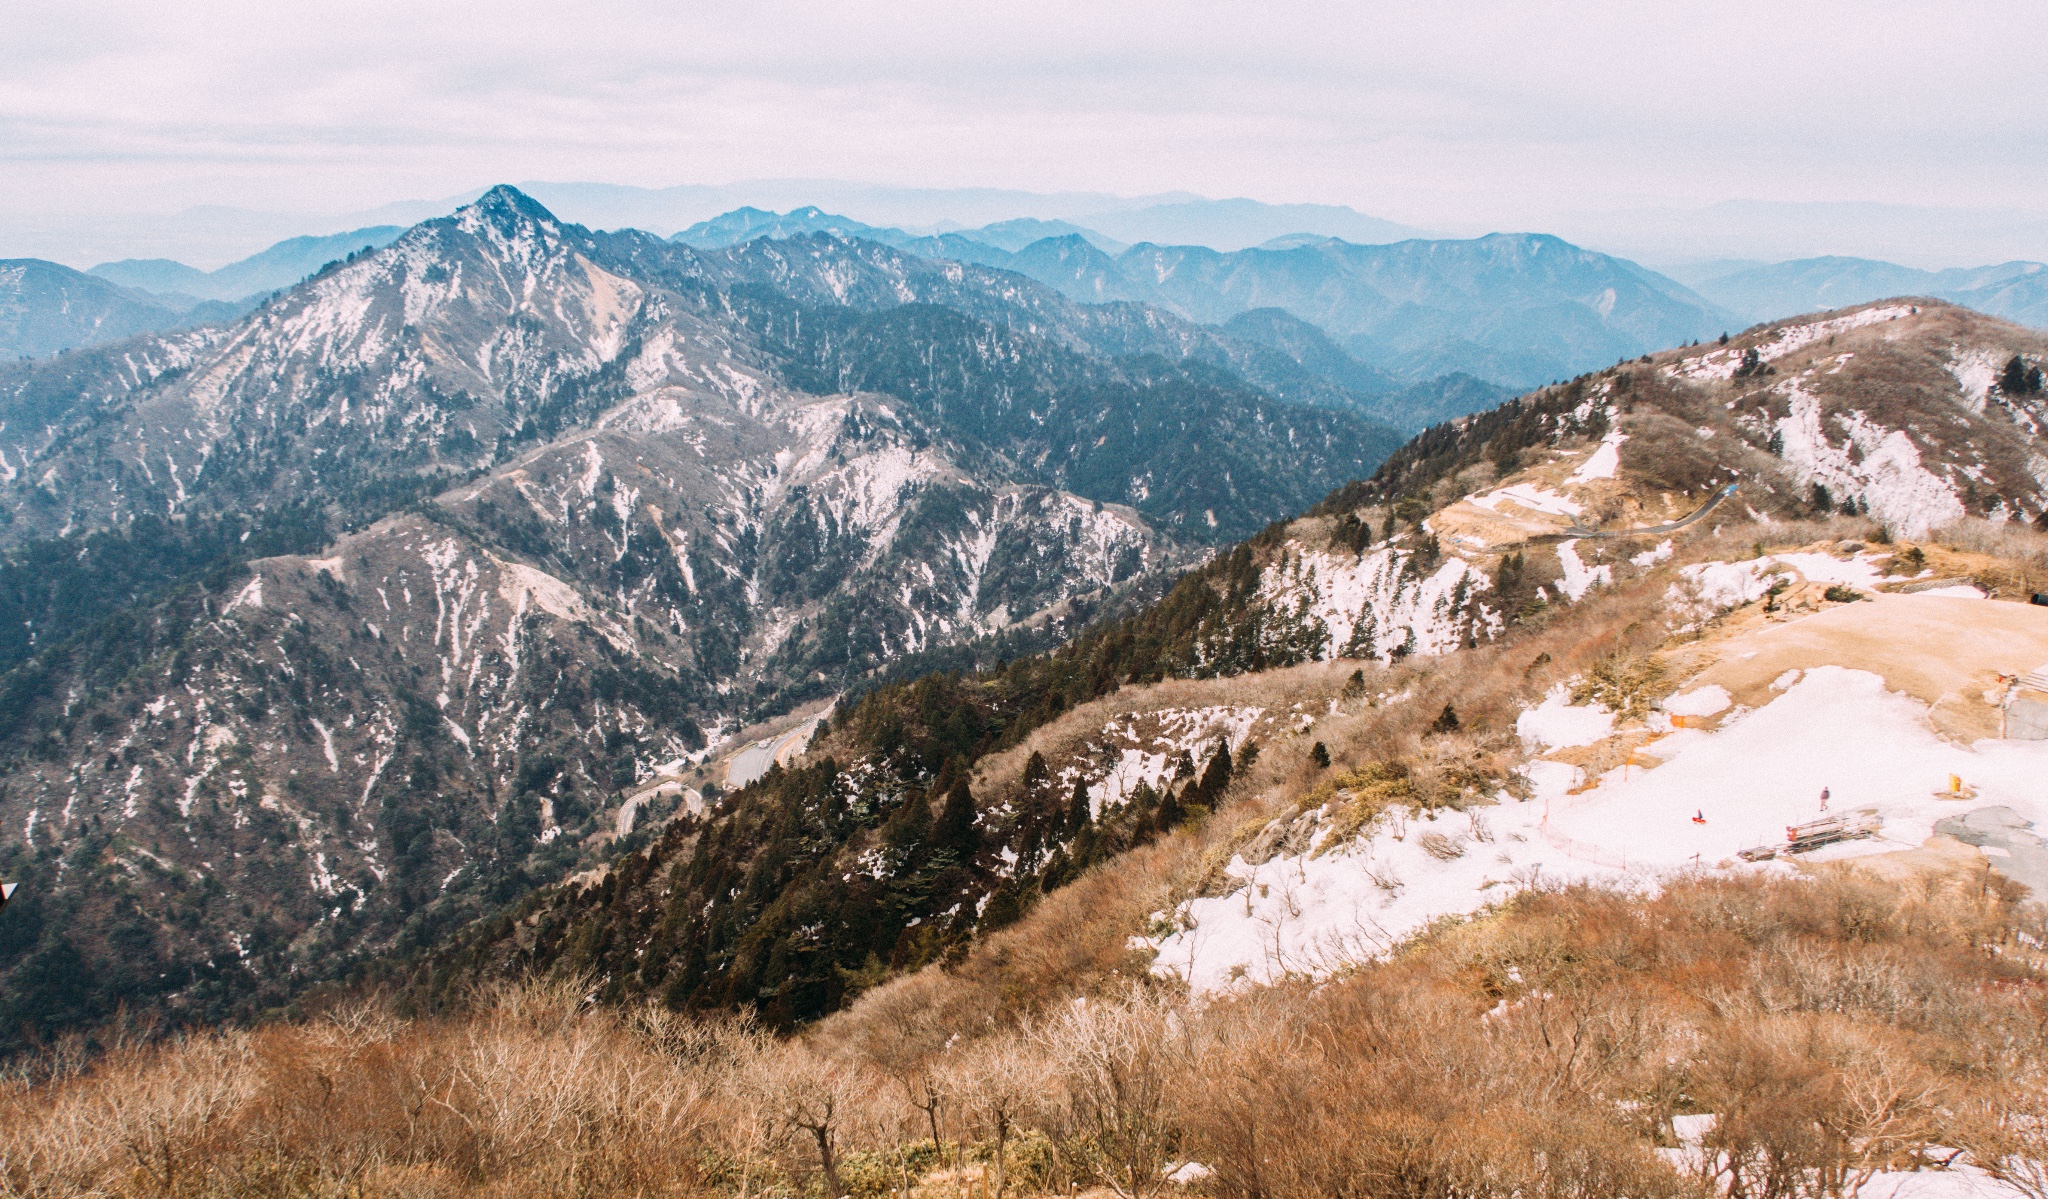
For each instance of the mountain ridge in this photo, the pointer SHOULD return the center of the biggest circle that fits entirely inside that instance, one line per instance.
(2016, 291)
(581, 506)
(1411, 308)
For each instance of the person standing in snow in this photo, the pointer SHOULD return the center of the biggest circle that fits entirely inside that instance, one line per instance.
(1823, 799)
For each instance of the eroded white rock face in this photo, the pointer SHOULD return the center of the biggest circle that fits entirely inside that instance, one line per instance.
(1381, 603)
(1877, 466)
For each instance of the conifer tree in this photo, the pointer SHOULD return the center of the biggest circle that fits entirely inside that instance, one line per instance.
(1171, 810)
(1036, 772)
(2019, 379)
(908, 825)
(955, 826)
(1215, 777)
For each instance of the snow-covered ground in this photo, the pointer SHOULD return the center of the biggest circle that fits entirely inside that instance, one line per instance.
(1963, 1181)
(1879, 466)
(1578, 577)
(1604, 462)
(1761, 771)
(1532, 496)
(1707, 588)
(1833, 728)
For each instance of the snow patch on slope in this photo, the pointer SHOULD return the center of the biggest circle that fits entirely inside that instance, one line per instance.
(1530, 496)
(1975, 371)
(1309, 915)
(1579, 578)
(1557, 722)
(1378, 603)
(1878, 466)
(1150, 744)
(1604, 462)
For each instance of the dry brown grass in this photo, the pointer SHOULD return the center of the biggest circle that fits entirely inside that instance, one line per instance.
(531, 1093)
(1836, 1026)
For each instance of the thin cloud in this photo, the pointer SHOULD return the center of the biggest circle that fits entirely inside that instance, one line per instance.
(1481, 114)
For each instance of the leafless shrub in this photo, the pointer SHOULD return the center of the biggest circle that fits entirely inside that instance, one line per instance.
(1440, 847)
(1114, 1068)
(1628, 684)
(1000, 1082)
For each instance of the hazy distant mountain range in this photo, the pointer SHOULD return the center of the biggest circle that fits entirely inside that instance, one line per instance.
(45, 308)
(217, 234)
(281, 265)
(1516, 309)
(2017, 291)
(1505, 311)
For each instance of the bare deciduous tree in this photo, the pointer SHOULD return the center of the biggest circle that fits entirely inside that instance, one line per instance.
(1114, 1065)
(999, 1081)
(816, 1096)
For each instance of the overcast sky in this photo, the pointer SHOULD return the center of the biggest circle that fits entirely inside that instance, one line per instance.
(1468, 114)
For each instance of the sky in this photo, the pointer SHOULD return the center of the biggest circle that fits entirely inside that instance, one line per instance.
(1463, 117)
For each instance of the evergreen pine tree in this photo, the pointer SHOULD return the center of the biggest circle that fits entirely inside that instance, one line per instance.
(1215, 777)
(1171, 810)
(908, 825)
(1004, 908)
(1320, 755)
(955, 826)
(1036, 772)
(2018, 379)
(1078, 815)
(1446, 721)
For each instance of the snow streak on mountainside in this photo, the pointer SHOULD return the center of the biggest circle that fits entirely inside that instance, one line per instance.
(1891, 408)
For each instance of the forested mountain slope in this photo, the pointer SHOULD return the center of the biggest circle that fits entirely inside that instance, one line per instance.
(1504, 771)
(341, 625)
(935, 811)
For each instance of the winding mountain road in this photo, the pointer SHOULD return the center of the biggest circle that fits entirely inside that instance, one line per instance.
(753, 762)
(1652, 531)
